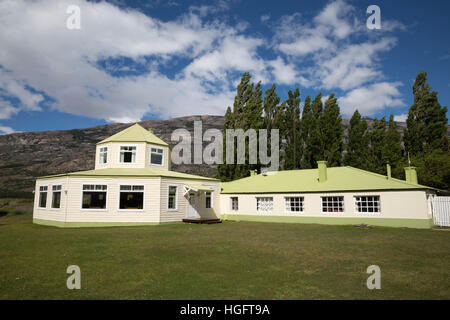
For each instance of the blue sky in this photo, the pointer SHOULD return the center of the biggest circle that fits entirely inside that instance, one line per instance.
(138, 60)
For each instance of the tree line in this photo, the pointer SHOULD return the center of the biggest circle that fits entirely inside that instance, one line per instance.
(316, 133)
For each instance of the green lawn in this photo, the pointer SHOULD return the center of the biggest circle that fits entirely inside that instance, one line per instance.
(232, 260)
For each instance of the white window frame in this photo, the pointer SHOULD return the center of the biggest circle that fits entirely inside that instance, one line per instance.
(39, 197)
(106, 198)
(143, 197)
(162, 154)
(60, 197)
(368, 195)
(263, 211)
(100, 153)
(136, 154)
(301, 204)
(212, 201)
(231, 203)
(176, 197)
(331, 212)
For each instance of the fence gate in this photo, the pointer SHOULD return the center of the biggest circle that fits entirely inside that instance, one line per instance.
(441, 211)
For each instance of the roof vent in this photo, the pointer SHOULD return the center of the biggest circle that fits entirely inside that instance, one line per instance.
(151, 130)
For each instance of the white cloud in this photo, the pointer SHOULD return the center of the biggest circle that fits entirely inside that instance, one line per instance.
(6, 130)
(370, 99)
(284, 73)
(42, 57)
(353, 65)
(265, 18)
(401, 117)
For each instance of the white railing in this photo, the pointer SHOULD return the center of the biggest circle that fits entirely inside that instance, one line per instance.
(441, 211)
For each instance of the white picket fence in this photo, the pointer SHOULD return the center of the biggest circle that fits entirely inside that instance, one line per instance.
(441, 211)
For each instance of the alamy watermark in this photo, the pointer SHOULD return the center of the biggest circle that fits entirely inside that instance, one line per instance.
(374, 20)
(73, 22)
(74, 280)
(253, 152)
(374, 281)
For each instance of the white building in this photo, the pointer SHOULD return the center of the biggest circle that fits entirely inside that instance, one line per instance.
(131, 185)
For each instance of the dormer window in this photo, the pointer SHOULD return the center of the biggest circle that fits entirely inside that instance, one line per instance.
(156, 156)
(103, 155)
(127, 154)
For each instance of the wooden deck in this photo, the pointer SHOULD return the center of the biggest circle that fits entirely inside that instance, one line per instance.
(202, 221)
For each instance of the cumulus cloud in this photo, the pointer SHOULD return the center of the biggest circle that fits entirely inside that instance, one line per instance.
(401, 117)
(370, 99)
(42, 58)
(6, 130)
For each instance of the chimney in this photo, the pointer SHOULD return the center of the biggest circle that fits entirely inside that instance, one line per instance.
(253, 173)
(411, 175)
(322, 166)
(388, 170)
(150, 129)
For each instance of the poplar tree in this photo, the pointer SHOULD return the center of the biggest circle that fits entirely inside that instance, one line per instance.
(332, 133)
(314, 144)
(377, 139)
(224, 171)
(426, 123)
(357, 154)
(291, 131)
(392, 149)
(307, 120)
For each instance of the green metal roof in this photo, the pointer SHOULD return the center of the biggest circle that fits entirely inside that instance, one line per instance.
(130, 172)
(298, 181)
(135, 133)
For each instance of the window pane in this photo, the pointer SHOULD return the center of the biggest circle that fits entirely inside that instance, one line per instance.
(264, 204)
(156, 158)
(367, 204)
(131, 200)
(172, 204)
(94, 200)
(332, 204)
(56, 200)
(43, 199)
(234, 204)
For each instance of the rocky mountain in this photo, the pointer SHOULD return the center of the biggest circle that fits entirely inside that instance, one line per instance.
(25, 156)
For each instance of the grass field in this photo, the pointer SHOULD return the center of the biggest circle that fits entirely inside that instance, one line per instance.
(232, 260)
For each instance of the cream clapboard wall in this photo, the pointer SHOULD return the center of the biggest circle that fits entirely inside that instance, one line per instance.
(394, 204)
(180, 213)
(71, 210)
(155, 200)
(48, 213)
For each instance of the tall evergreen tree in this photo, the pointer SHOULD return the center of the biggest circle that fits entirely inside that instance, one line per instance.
(332, 132)
(291, 131)
(224, 171)
(377, 140)
(307, 123)
(358, 143)
(426, 123)
(314, 145)
(392, 149)
(246, 114)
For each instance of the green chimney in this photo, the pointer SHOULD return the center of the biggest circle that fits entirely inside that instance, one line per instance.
(388, 170)
(411, 175)
(322, 166)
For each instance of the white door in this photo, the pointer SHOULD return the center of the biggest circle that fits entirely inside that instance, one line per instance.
(192, 207)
